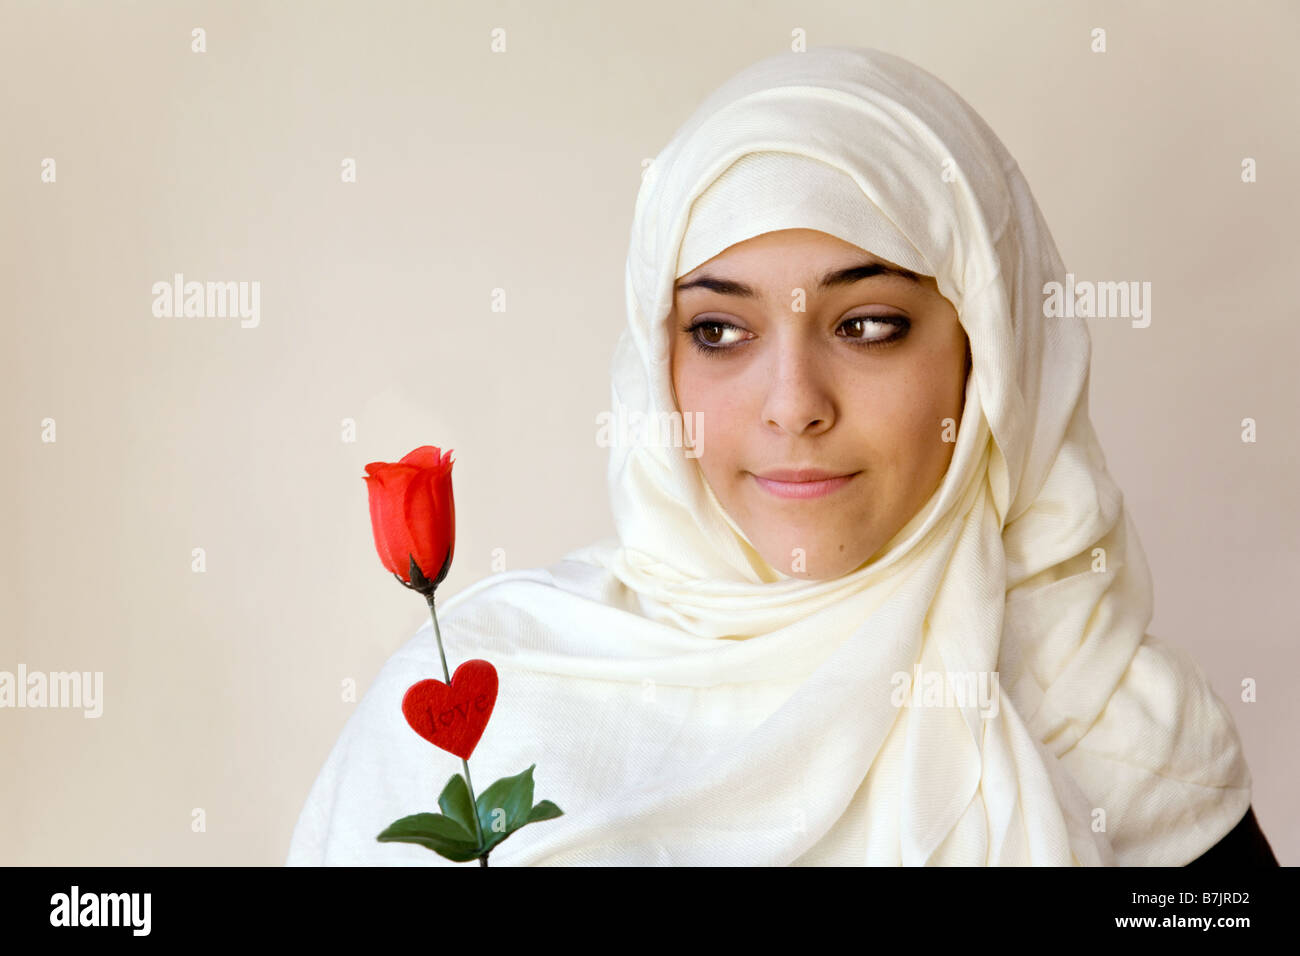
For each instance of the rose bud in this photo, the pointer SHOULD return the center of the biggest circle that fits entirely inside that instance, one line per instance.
(413, 517)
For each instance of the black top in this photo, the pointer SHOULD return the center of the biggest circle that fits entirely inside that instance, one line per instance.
(1244, 846)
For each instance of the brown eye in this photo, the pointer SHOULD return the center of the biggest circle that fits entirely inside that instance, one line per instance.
(870, 340)
(711, 333)
(707, 336)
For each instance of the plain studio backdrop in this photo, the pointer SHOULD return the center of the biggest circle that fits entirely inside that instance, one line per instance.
(466, 291)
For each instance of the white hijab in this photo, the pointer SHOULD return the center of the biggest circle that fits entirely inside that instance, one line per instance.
(687, 703)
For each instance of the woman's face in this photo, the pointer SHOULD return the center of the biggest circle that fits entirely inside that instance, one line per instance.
(793, 367)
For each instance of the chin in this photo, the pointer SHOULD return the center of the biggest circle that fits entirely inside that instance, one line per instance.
(816, 564)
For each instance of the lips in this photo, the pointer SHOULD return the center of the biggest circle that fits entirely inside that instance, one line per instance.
(802, 482)
(801, 474)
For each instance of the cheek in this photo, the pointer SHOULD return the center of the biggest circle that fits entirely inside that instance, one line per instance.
(722, 419)
(712, 396)
(719, 413)
(902, 413)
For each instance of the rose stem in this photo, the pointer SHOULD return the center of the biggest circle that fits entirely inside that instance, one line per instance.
(478, 830)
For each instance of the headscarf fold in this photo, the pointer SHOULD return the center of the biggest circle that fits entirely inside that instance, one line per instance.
(687, 703)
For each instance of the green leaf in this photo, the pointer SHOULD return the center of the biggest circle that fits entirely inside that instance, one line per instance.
(514, 797)
(456, 804)
(544, 811)
(435, 832)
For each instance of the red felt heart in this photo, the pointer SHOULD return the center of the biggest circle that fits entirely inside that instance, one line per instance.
(454, 717)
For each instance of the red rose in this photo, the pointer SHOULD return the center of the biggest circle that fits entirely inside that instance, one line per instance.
(412, 516)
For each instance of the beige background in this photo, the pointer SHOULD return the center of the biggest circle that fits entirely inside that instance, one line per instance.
(518, 170)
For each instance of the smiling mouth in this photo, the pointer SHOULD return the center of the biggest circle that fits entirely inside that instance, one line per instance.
(804, 489)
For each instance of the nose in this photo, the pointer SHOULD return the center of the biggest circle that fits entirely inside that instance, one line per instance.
(799, 399)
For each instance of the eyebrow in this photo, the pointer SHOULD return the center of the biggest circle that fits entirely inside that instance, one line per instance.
(831, 280)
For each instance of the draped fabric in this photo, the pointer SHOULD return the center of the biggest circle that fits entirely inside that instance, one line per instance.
(687, 703)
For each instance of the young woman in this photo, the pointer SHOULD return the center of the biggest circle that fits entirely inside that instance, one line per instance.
(876, 600)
